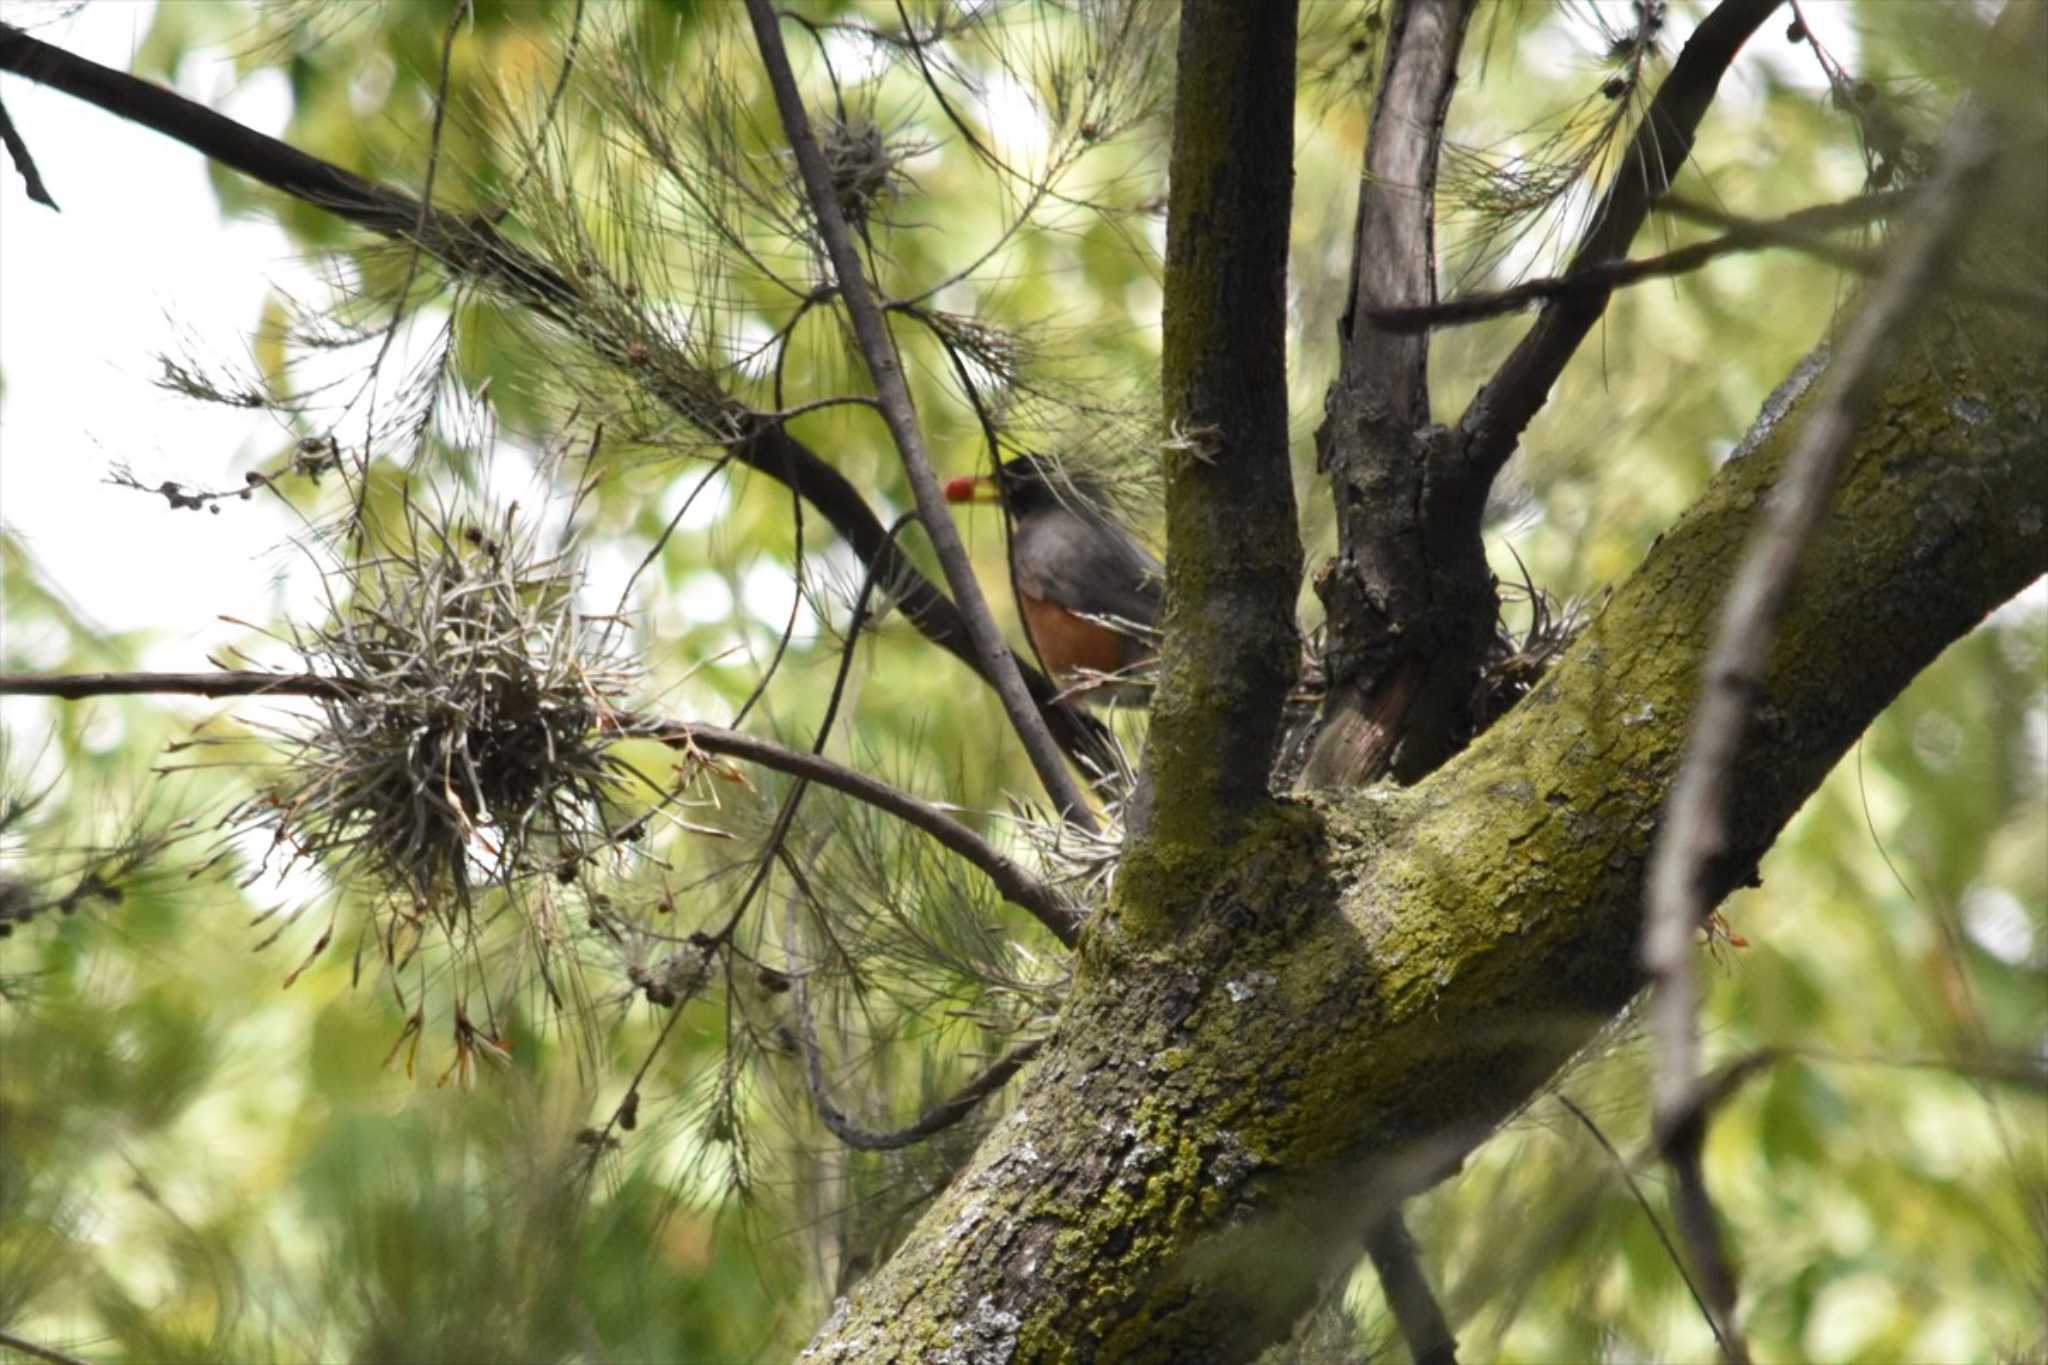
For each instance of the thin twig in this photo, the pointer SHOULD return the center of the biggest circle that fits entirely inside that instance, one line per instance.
(778, 831)
(24, 161)
(932, 1122)
(416, 248)
(871, 329)
(1017, 885)
(553, 106)
(30, 1348)
(1795, 231)
(1502, 409)
(79, 686)
(1635, 1189)
(1692, 848)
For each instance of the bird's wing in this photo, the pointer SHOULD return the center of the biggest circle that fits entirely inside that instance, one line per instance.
(1087, 564)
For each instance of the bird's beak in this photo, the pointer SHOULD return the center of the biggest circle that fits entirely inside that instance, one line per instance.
(972, 488)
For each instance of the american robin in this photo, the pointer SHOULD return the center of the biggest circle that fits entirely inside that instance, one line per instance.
(1088, 593)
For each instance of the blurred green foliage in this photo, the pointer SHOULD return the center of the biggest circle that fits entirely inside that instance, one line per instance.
(197, 1165)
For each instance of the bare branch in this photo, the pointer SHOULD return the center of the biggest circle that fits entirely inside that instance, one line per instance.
(79, 686)
(1797, 231)
(878, 348)
(1626, 1170)
(1692, 838)
(1493, 424)
(1393, 249)
(24, 161)
(1016, 884)
(931, 1123)
(1416, 1311)
(30, 1348)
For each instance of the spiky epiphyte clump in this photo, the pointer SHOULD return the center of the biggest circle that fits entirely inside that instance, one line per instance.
(866, 165)
(1517, 660)
(466, 737)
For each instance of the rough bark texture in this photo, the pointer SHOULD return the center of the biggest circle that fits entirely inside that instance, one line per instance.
(1409, 595)
(1381, 976)
(1233, 564)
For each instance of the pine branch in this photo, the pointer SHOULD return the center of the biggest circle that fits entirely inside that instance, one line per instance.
(878, 349)
(474, 248)
(1016, 884)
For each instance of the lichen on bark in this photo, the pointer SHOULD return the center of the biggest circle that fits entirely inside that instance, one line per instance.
(1367, 982)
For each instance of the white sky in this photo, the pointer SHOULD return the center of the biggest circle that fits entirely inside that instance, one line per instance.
(138, 262)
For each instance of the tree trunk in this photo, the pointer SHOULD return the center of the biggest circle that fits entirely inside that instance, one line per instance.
(1382, 976)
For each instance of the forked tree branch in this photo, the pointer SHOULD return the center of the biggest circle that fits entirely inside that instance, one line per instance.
(1502, 409)
(878, 349)
(1409, 597)
(1693, 835)
(1014, 882)
(475, 249)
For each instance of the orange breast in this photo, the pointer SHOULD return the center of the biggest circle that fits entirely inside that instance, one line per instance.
(1067, 643)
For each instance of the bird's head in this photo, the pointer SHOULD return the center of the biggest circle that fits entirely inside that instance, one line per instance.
(1021, 484)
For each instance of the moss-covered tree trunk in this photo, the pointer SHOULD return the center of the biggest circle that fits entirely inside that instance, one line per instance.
(1379, 977)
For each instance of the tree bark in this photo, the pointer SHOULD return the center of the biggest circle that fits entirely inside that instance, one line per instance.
(1233, 562)
(1379, 977)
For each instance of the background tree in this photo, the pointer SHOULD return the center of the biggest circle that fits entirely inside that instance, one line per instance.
(1284, 1014)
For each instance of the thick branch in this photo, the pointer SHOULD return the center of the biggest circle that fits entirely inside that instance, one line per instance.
(1499, 413)
(878, 349)
(475, 249)
(1233, 565)
(1393, 247)
(1409, 597)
